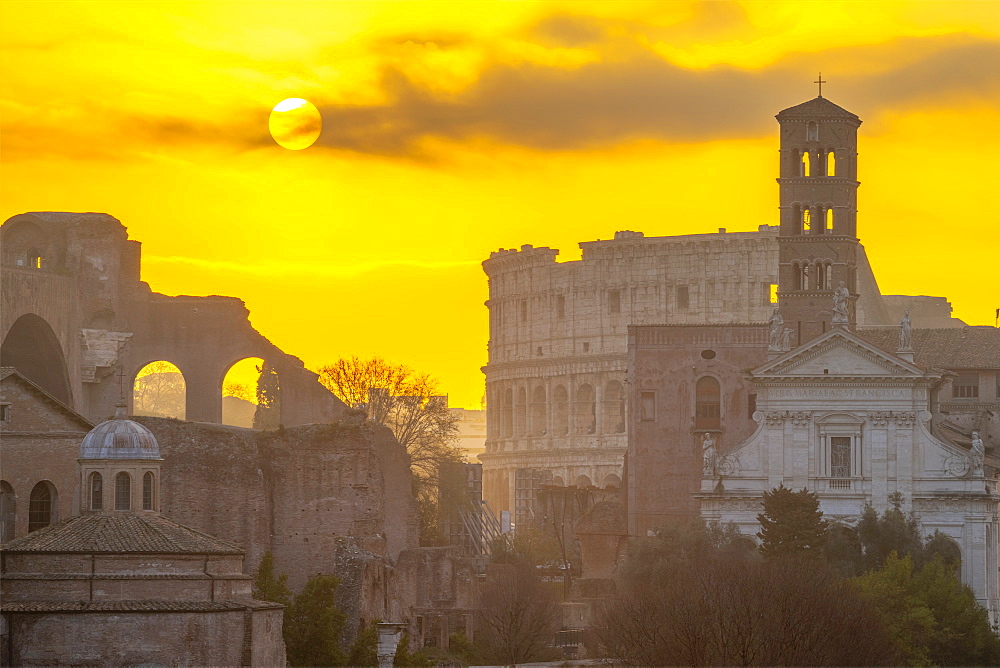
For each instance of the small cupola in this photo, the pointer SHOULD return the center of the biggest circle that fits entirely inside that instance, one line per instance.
(119, 467)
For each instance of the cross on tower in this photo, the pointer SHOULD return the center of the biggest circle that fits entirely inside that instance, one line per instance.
(820, 82)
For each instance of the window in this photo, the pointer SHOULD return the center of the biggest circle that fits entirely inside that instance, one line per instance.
(829, 221)
(4, 412)
(682, 297)
(96, 492)
(40, 507)
(647, 406)
(8, 511)
(772, 293)
(524, 310)
(147, 491)
(586, 347)
(123, 492)
(561, 306)
(804, 171)
(707, 407)
(840, 456)
(831, 163)
(812, 131)
(561, 407)
(585, 410)
(615, 301)
(966, 386)
(613, 421)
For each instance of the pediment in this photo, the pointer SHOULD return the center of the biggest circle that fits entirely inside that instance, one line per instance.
(34, 409)
(837, 353)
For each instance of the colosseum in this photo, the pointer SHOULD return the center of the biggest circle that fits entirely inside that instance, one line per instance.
(556, 372)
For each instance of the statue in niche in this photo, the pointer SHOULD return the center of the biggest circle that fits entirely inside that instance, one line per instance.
(840, 297)
(775, 331)
(708, 453)
(977, 454)
(905, 331)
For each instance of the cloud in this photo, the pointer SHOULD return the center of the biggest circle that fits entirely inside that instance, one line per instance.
(604, 103)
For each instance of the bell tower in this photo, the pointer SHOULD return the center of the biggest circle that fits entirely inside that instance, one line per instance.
(817, 239)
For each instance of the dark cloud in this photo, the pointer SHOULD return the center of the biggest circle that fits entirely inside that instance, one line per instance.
(569, 30)
(644, 96)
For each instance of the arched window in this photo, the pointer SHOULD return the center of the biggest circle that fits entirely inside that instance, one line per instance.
(583, 482)
(147, 491)
(521, 422)
(707, 406)
(829, 221)
(614, 408)
(812, 131)
(797, 217)
(612, 480)
(831, 163)
(560, 402)
(820, 277)
(34, 259)
(806, 220)
(8, 511)
(123, 491)
(829, 276)
(239, 392)
(508, 413)
(41, 506)
(585, 410)
(96, 492)
(806, 282)
(806, 167)
(538, 426)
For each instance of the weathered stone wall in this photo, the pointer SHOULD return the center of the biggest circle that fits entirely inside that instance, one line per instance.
(155, 638)
(39, 442)
(665, 462)
(293, 491)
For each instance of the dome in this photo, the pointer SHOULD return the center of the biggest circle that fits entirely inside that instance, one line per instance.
(119, 438)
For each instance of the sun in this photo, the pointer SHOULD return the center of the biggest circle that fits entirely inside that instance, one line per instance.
(295, 123)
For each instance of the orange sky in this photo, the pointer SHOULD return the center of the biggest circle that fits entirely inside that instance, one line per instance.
(451, 129)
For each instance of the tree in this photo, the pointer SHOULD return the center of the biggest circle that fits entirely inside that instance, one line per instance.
(410, 405)
(268, 413)
(701, 596)
(159, 391)
(519, 616)
(791, 523)
(267, 586)
(314, 624)
(893, 532)
(239, 391)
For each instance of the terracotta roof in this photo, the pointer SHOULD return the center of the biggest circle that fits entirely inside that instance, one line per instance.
(135, 606)
(946, 348)
(120, 532)
(818, 107)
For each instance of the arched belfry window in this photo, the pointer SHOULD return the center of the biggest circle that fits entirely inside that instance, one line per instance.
(831, 163)
(805, 167)
(829, 221)
(807, 219)
(96, 492)
(123, 491)
(708, 404)
(147, 491)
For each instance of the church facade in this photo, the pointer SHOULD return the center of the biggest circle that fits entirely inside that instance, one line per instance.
(811, 399)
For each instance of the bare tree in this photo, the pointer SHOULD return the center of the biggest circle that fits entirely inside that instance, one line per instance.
(518, 618)
(406, 402)
(159, 391)
(410, 405)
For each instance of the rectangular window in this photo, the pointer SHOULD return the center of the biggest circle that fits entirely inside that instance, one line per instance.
(647, 406)
(682, 297)
(561, 306)
(965, 386)
(840, 456)
(586, 347)
(4, 412)
(615, 301)
(772, 293)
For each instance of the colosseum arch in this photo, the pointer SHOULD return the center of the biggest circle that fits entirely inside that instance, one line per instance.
(32, 348)
(585, 410)
(614, 408)
(560, 403)
(538, 416)
(26, 245)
